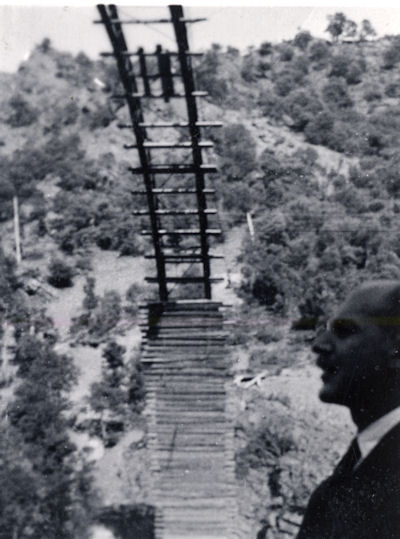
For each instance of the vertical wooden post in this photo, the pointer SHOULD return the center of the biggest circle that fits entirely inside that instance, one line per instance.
(17, 231)
(143, 72)
(164, 69)
(177, 17)
(110, 18)
(250, 225)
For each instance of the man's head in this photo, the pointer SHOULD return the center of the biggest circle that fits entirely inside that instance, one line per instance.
(358, 351)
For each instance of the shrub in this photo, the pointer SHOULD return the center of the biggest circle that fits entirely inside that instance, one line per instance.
(319, 51)
(210, 74)
(354, 73)
(274, 230)
(263, 67)
(22, 114)
(66, 115)
(236, 148)
(76, 71)
(107, 314)
(286, 82)
(372, 92)
(250, 68)
(302, 39)
(271, 105)
(45, 46)
(286, 53)
(90, 301)
(335, 93)
(60, 274)
(391, 56)
(265, 48)
(301, 63)
(100, 117)
(134, 294)
(302, 107)
(318, 129)
(238, 200)
(119, 393)
(339, 65)
(393, 89)
(136, 391)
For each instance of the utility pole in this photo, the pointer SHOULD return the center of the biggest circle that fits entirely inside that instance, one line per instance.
(17, 231)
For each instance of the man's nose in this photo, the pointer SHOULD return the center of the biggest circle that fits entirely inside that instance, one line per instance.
(322, 344)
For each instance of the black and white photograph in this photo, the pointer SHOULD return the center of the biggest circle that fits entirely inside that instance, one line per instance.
(200, 270)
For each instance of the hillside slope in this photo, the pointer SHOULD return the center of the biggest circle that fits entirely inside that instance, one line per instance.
(309, 149)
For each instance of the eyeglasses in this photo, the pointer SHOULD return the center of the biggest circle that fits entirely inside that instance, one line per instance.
(339, 327)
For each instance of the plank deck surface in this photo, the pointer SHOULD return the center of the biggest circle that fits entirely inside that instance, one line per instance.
(190, 426)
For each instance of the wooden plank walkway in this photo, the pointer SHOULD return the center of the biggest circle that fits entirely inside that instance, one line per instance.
(190, 427)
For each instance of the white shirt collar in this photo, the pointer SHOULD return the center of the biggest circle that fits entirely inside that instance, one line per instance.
(372, 435)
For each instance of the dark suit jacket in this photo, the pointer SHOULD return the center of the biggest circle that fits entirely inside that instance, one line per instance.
(360, 503)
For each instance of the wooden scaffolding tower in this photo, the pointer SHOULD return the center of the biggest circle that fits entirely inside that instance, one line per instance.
(192, 172)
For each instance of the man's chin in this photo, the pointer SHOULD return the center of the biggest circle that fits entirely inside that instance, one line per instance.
(331, 395)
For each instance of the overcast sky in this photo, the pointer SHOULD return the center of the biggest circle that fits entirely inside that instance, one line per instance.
(72, 29)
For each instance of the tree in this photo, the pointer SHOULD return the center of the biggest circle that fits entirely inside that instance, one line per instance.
(288, 80)
(302, 108)
(335, 93)
(44, 46)
(236, 148)
(318, 128)
(319, 53)
(18, 504)
(90, 301)
(366, 30)
(286, 53)
(391, 56)
(210, 75)
(23, 114)
(8, 283)
(120, 392)
(60, 274)
(265, 48)
(302, 39)
(339, 26)
(52, 504)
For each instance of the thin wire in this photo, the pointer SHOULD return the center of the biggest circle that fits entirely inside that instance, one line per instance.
(149, 26)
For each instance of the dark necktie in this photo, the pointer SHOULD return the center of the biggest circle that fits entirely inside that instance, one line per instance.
(350, 459)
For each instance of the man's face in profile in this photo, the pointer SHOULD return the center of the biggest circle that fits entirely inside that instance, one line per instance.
(352, 353)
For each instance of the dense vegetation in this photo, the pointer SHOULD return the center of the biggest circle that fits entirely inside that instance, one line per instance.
(309, 150)
(318, 229)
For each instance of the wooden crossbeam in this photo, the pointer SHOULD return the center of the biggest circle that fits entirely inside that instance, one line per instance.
(184, 232)
(166, 144)
(175, 191)
(150, 54)
(174, 169)
(152, 21)
(185, 279)
(184, 256)
(152, 125)
(138, 95)
(188, 211)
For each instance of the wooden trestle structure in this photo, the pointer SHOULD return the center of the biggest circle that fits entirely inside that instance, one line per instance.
(184, 349)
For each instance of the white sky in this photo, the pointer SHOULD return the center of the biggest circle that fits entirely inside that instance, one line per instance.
(71, 28)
